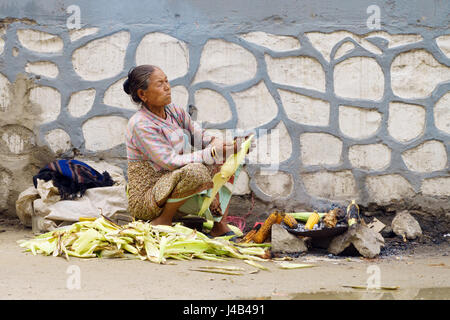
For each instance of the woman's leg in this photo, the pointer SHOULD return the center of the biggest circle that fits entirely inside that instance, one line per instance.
(184, 182)
(166, 216)
(219, 228)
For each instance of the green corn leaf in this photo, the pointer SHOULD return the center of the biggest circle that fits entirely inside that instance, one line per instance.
(255, 264)
(289, 265)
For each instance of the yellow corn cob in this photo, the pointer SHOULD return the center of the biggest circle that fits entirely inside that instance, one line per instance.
(290, 221)
(352, 213)
(312, 221)
(280, 217)
(264, 231)
(249, 236)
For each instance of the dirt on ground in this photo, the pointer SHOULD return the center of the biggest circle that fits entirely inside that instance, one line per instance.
(420, 269)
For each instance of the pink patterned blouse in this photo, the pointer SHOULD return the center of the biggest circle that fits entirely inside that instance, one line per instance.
(167, 143)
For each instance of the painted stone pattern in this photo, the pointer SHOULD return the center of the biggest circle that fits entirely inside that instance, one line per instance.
(337, 115)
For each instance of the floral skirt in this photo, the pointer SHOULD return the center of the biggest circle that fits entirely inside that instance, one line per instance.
(149, 190)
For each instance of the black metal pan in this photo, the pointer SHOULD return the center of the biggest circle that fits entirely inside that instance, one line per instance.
(322, 232)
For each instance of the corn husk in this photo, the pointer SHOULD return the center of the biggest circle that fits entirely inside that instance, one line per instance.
(255, 264)
(289, 265)
(219, 271)
(226, 171)
(209, 224)
(226, 268)
(138, 239)
(304, 216)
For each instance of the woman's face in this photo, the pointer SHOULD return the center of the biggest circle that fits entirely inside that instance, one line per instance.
(158, 91)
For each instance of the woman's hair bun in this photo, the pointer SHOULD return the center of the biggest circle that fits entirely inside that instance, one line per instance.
(126, 86)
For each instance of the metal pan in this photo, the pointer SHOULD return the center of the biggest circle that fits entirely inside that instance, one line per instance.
(318, 233)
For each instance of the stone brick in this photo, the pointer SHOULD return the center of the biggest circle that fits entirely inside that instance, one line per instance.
(365, 240)
(274, 184)
(16, 139)
(427, 157)
(283, 241)
(241, 185)
(385, 188)
(370, 156)
(81, 102)
(359, 78)
(2, 41)
(77, 34)
(443, 43)
(58, 140)
(405, 225)
(395, 40)
(345, 48)
(415, 74)
(320, 149)
(5, 93)
(212, 106)
(272, 148)
(304, 109)
(442, 113)
(42, 68)
(40, 41)
(271, 41)
(339, 185)
(358, 123)
(104, 132)
(180, 96)
(101, 58)
(5, 184)
(436, 186)
(406, 121)
(48, 99)
(171, 55)
(325, 42)
(304, 72)
(116, 97)
(223, 134)
(225, 63)
(255, 106)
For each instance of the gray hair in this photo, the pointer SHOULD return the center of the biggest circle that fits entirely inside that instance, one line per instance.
(138, 79)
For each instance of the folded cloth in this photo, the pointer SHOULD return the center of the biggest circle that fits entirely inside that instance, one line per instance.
(72, 177)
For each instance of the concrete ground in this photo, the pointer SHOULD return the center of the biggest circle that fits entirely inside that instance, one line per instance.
(422, 273)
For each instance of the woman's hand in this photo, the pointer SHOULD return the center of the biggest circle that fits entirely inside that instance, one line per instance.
(239, 140)
(223, 149)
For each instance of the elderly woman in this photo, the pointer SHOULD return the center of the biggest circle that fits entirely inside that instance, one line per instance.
(166, 178)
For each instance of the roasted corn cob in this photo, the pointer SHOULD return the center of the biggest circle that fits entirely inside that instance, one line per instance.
(312, 221)
(280, 217)
(352, 213)
(330, 218)
(290, 221)
(249, 236)
(265, 229)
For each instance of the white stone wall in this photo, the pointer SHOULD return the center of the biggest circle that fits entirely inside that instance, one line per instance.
(343, 127)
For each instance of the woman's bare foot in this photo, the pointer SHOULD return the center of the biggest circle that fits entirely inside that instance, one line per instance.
(219, 228)
(160, 220)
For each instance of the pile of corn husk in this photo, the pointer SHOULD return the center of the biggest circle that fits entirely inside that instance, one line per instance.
(103, 238)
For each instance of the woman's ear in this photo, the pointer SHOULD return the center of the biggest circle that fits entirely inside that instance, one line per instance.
(141, 94)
